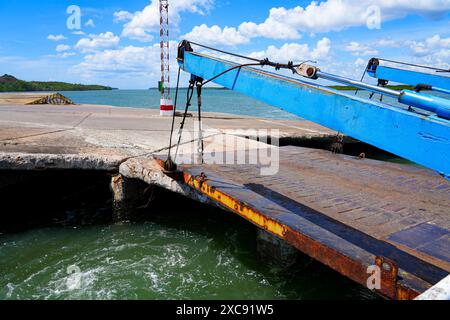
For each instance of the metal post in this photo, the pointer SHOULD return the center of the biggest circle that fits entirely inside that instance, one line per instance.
(166, 106)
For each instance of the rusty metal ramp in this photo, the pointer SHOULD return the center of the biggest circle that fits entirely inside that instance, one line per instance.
(351, 214)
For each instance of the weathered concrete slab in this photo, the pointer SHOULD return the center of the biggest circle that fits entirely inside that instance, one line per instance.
(39, 161)
(112, 133)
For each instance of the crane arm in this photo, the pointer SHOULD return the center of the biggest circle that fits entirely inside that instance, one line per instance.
(421, 138)
(436, 81)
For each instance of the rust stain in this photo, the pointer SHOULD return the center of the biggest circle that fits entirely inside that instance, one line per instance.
(354, 270)
(389, 276)
(237, 206)
(116, 180)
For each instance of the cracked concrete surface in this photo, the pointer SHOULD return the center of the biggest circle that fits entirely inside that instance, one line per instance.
(102, 137)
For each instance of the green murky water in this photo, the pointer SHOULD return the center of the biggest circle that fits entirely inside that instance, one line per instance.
(154, 261)
(176, 249)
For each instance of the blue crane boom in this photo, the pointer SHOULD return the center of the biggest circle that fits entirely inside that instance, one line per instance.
(419, 137)
(436, 81)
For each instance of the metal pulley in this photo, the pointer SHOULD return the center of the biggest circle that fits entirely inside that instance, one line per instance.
(307, 71)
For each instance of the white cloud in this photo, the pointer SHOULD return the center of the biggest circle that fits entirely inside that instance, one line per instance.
(90, 23)
(335, 15)
(360, 63)
(231, 36)
(388, 43)
(127, 67)
(62, 53)
(296, 52)
(419, 49)
(433, 51)
(270, 29)
(322, 49)
(215, 35)
(437, 42)
(130, 59)
(121, 16)
(58, 37)
(432, 45)
(141, 23)
(105, 40)
(62, 48)
(37, 69)
(360, 50)
(66, 55)
(127, 59)
(79, 33)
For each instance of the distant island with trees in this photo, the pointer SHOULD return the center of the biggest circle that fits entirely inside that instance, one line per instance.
(9, 83)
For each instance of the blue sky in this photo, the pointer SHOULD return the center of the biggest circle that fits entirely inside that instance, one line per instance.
(117, 44)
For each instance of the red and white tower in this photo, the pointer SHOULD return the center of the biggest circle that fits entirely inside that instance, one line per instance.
(166, 105)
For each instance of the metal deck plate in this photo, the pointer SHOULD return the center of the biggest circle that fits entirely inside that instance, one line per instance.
(357, 209)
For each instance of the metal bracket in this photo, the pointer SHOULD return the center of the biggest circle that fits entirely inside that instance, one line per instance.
(372, 65)
(183, 47)
(389, 276)
(307, 71)
(176, 175)
(202, 178)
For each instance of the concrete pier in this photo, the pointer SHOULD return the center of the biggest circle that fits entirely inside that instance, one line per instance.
(349, 213)
(110, 133)
(128, 195)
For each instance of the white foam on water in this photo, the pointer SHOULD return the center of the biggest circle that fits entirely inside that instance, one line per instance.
(10, 290)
